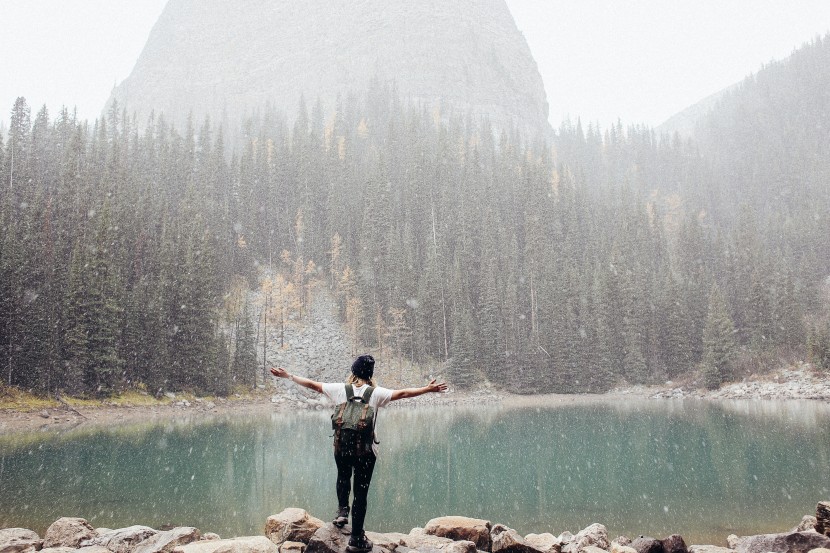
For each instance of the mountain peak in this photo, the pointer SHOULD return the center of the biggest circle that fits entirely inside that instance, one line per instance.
(227, 58)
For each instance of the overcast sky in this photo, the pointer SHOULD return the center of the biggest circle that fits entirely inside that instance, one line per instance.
(637, 60)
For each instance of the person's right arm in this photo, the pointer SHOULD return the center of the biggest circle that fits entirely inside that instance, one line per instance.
(279, 372)
(433, 386)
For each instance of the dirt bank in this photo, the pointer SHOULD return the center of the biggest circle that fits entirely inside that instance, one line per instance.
(791, 383)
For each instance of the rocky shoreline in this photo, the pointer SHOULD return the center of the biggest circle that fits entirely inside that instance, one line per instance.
(296, 531)
(793, 383)
(317, 347)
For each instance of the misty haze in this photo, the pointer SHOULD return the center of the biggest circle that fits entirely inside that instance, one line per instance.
(609, 337)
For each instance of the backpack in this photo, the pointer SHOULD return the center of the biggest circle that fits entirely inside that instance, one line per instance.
(353, 423)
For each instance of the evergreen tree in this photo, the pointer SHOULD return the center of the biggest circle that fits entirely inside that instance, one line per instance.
(718, 341)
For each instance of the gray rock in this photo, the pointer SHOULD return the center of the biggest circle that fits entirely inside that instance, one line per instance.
(674, 544)
(165, 542)
(459, 528)
(93, 548)
(461, 546)
(385, 542)
(708, 549)
(593, 549)
(645, 544)
(291, 525)
(45, 414)
(68, 532)
(122, 540)
(19, 540)
(211, 536)
(292, 547)
(788, 542)
(418, 539)
(546, 542)
(90, 549)
(733, 541)
(8, 535)
(507, 540)
(808, 522)
(327, 539)
(21, 546)
(246, 544)
(823, 518)
(594, 535)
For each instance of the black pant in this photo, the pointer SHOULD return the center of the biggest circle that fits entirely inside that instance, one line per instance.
(363, 466)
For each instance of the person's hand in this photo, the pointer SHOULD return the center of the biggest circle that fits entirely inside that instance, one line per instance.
(436, 387)
(279, 372)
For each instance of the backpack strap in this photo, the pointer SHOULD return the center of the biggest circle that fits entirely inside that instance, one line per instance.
(349, 392)
(367, 393)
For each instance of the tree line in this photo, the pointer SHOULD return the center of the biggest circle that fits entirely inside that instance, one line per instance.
(567, 263)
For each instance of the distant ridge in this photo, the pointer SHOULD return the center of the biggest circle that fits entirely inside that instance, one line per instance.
(686, 121)
(227, 58)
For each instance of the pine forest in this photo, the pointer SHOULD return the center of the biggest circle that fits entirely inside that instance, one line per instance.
(567, 263)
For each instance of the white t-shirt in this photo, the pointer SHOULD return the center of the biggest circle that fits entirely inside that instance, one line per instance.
(381, 397)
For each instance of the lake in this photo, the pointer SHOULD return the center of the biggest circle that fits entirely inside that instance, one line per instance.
(701, 469)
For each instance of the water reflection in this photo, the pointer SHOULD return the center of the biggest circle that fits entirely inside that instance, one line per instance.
(702, 469)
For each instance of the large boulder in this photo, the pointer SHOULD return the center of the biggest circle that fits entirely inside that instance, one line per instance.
(122, 540)
(19, 540)
(674, 544)
(68, 532)
(545, 542)
(823, 518)
(386, 542)
(645, 544)
(292, 525)
(733, 541)
(165, 542)
(247, 544)
(595, 535)
(808, 522)
(418, 539)
(507, 540)
(788, 542)
(327, 539)
(461, 528)
(330, 539)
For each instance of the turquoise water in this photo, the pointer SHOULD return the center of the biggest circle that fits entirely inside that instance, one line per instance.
(700, 469)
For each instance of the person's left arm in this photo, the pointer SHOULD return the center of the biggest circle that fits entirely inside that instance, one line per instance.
(432, 387)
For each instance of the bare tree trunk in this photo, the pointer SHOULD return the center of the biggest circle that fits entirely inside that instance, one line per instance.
(265, 334)
(443, 302)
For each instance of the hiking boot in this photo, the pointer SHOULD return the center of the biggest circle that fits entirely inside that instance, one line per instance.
(359, 544)
(342, 517)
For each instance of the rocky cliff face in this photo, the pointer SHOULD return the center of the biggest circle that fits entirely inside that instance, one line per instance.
(226, 58)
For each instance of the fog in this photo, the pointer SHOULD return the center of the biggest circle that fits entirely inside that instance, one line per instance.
(586, 317)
